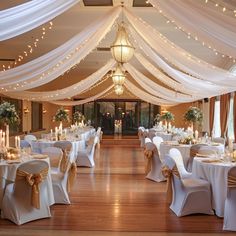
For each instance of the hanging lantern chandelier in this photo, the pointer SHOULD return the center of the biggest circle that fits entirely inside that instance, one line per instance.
(118, 76)
(122, 50)
(119, 89)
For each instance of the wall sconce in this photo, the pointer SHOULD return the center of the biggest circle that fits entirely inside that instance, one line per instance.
(44, 111)
(26, 110)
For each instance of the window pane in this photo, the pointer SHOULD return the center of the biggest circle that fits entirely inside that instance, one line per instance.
(144, 118)
(89, 112)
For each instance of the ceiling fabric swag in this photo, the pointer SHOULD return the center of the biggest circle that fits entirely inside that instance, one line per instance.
(27, 16)
(156, 89)
(212, 27)
(55, 63)
(178, 56)
(70, 91)
(192, 84)
(83, 101)
(146, 96)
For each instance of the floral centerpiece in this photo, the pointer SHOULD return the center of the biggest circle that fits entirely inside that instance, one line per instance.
(78, 117)
(168, 116)
(193, 115)
(61, 115)
(187, 140)
(8, 114)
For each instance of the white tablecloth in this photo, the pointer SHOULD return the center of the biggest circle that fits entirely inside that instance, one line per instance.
(216, 174)
(165, 136)
(38, 146)
(8, 175)
(184, 149)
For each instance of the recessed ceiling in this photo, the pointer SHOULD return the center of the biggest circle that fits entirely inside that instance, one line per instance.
(141, 3)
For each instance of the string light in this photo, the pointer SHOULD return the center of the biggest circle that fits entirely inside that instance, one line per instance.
(191, 36)
(29, 49)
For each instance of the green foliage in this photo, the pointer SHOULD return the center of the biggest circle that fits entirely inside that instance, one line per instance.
(193, 114)
(78, 117)
(61, 115)
(8, 114)
(168, 116)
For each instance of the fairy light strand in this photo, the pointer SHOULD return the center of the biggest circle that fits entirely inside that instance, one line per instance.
(30, 48)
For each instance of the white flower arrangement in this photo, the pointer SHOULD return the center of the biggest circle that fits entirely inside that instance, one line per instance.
(61, 115)
(8, 114)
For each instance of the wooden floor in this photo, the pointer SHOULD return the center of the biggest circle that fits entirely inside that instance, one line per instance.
(114, 198)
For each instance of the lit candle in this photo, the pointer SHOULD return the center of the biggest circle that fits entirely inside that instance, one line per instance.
(160, 123)
(18, 139)
(196, 134)
(51, 132)
(16, 144)
(230, 146)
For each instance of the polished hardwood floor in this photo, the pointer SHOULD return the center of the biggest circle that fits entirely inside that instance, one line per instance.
(114, 198)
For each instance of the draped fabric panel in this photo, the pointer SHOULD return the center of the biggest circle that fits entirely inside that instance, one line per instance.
(224, 112)
(193, 85)
(27, 16)
(212, 109)
(69, 91)
(179, 57)
(155, 89)
(80, 102)
(146, 96)
(53, 64)
(234, 117)
(212, 27)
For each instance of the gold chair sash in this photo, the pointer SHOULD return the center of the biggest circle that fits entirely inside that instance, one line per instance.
(71, 176)
(148, 154)
(231, 181)
(64, 161)
(33, 180)
(168, 173)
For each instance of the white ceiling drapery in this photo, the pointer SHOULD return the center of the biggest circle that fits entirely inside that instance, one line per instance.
(178, 56)
(83, 101)
(27, 16)
(53, 64)
(212, 27)
(69, 91)
(146, 96)
(156, 89)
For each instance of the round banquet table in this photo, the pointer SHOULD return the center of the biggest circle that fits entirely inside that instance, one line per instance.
(184, 150)
(216, 174)
(39, 145)
(8, 175)
(165, 136)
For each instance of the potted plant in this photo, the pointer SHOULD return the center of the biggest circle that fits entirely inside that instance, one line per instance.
(194, 116)
(8, 116)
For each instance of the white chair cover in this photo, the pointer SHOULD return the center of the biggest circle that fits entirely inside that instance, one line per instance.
(157, 140)
(177, 157)
(141, 136)
(55, 155)
(189, 195)
(30, 138)
(218, 140)
(17, 199)
(147, 140)
(86, 157)
(230, 203)
(155, 174)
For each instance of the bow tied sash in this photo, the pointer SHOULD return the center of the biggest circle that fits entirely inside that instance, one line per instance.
(148, 154)
(168, 173)
(71, 176)
(64, 161)
(231, 181)
(34, 181)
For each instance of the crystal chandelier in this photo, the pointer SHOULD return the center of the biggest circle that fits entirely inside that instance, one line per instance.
(118, 76)
(119, 89)
(122, 50)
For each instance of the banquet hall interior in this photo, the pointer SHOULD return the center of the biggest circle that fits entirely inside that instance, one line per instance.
(117, 117)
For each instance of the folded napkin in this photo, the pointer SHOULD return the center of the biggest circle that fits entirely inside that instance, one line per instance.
(13, 161)
(212, 161)
(39, 156)
(215, 144)
(202, 155)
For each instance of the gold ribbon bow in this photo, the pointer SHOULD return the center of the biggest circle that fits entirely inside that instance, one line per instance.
(33, 180)
(168, 173)
(71, 176)
(64, 161)
(148, 154)
(231, 181)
